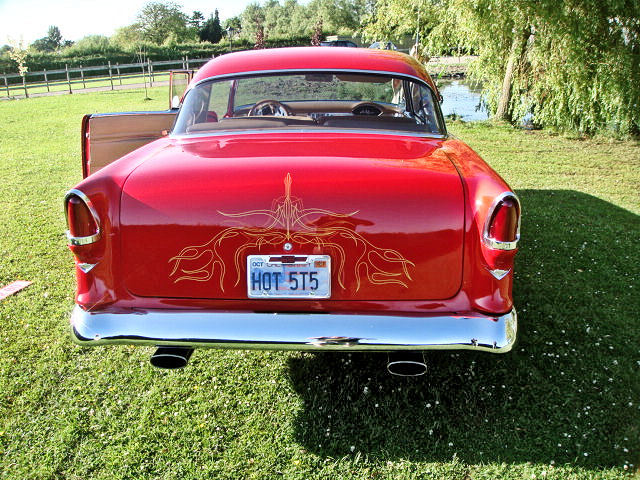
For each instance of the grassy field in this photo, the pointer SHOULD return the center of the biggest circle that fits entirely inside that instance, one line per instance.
(565, 404)
(61, 86)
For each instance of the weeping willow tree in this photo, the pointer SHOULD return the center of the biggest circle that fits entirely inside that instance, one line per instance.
(573, 65)
(395, 19)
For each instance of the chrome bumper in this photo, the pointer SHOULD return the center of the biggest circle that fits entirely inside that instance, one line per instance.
(295, 331)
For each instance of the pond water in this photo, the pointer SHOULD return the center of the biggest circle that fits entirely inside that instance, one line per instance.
(462, 98)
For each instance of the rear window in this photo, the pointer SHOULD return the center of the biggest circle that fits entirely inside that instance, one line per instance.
(313, 100)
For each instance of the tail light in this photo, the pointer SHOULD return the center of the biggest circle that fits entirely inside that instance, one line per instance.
(502, 228)
(82, 219)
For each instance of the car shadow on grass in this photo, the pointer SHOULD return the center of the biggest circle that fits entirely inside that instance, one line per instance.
(569, 392)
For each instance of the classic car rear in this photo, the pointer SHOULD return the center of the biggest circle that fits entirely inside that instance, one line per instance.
(303, 200)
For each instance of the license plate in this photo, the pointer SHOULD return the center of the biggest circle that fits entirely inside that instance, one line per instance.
(289, 276)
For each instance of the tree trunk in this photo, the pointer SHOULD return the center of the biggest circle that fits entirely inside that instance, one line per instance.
(503, 112)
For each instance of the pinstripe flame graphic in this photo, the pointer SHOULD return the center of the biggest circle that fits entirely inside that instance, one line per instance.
(288, 221)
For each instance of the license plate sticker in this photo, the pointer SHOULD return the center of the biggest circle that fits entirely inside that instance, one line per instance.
(289, 276)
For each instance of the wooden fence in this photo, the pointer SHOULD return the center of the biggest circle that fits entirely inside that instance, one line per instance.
(111, 75)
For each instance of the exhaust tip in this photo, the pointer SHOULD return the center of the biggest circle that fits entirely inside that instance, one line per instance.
(171, 357)
(412, 365)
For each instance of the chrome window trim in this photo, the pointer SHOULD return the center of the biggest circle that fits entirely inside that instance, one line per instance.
(492, 242)
(386, 73)
(274, 131)
(140, 112)
(75, 241)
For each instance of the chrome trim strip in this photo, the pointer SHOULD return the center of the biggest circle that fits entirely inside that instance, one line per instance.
(90, 238)
(295, 331)
(274, 131)
(492, 242)
(386, 73)
(496, 245)
(171, 111)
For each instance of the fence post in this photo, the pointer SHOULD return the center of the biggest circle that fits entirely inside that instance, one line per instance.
(110, 75)
(24, 84)
(6, 84)
(66, 67)
(183, 64)
(118, 70)
(46, 80)
(187, 58)
(84, 85)
(150, 71)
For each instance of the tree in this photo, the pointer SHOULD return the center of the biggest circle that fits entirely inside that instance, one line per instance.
(233, 23)
(317, 36)
(90, 44)
(393, 19)
(157, 20)
(54, 36)
(274, 16)
(18, 54)
(196, 20)
(339, 16)
(252, 18)
(126, 36)
(260, 38)
(212, 30)
(572, 65)
(50, 43)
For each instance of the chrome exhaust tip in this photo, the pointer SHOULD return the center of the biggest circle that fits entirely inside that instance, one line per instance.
(171, 357)
(407, 365)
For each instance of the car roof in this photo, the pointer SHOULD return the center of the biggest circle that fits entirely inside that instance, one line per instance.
(309, 58)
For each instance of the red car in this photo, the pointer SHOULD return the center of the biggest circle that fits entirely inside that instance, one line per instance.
(300, 198)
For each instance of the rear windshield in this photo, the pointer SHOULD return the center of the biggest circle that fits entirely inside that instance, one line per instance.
(349, 100)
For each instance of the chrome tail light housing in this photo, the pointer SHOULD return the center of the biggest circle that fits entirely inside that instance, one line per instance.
(82, 220)
(502, 226)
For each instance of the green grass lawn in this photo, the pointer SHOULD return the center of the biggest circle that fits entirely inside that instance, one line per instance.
(77, 86)
(565, 404)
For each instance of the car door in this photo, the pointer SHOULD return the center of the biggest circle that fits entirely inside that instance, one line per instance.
(108, 136)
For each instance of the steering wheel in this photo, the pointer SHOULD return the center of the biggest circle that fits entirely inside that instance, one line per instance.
(367, 108)
(270, 107)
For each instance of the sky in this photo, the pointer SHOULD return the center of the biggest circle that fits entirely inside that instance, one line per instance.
(30, 19)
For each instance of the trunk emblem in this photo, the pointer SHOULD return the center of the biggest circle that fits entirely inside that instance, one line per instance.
(288, 220)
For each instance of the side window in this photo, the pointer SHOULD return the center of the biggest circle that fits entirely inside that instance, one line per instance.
(194, 108)
(219, 98)
(423, 106)
(178, 82)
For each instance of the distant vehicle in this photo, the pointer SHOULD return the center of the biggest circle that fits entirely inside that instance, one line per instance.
(383, 46)
(338, 43)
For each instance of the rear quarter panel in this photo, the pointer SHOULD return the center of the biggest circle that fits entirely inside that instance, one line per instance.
(482, 185)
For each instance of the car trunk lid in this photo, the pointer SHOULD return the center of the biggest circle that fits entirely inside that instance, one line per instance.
(388, 210)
